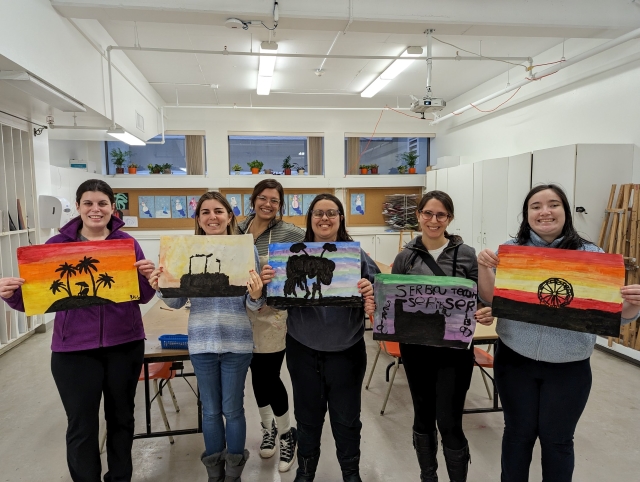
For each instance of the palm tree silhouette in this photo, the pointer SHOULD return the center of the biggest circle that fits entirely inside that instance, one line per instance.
(68, 270)
(332, 248)
(297, 247)
(104, 280)
(85, 266)
(58, 285)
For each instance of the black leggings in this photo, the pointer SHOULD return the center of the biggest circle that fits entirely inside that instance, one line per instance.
(267, 386)
(438, 378)
(540, 400)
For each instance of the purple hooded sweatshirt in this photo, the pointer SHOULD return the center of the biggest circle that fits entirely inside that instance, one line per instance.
(95, 326)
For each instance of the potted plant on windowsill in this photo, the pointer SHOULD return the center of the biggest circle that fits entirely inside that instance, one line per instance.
(166, 168)
(154, 168)
(402, 169)
(364, 168)
(133, 168)
(410, 159)
(373, 168)
(299, 168)
(255, 166)
(286, 165)
(236, 169)
(119, 158)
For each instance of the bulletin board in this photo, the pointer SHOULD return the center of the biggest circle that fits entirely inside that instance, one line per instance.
(298, 220)
(373, 200)
(170, 217)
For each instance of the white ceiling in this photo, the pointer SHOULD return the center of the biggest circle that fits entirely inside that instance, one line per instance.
(378, 27)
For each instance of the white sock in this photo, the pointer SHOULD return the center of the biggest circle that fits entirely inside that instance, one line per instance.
(266, 416)
(284, 424)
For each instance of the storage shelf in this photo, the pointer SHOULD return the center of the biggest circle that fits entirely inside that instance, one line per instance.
(19, 231)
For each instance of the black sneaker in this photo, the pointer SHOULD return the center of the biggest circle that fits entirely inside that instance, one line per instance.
(268, 445)
(288, 449)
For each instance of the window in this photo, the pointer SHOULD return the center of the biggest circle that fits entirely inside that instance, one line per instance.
(305, 152)
(384, 152)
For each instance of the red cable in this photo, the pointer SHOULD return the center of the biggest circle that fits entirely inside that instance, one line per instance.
(374, 133)
(549, 63)
(498, 105)
(399, 112)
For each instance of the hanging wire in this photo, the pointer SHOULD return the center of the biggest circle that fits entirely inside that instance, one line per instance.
(479, 55)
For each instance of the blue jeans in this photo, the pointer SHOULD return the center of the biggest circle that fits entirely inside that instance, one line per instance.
(221, 378)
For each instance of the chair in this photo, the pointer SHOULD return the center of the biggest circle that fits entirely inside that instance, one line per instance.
(391, 348)
(483, 359)
(157, 371)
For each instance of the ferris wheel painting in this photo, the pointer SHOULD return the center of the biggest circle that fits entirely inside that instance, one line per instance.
(568, 289)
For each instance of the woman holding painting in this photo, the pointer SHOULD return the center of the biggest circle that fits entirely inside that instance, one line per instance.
(543, 373)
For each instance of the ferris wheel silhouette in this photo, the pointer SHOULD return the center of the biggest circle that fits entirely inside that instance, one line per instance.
(555, 292)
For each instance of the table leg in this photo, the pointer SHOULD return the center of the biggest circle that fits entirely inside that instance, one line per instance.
(147, 397)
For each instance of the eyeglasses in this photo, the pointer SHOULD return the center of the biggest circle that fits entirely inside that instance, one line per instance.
(330, 213)
(274, 201)
(440, 217)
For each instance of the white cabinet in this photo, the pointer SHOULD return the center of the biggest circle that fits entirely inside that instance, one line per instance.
(495, 175)
(476, 221)
(442, 179)
(431, 180)
(460, 188)
(382, 247)
(519, 184)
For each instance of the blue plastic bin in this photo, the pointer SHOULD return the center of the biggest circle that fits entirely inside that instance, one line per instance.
(174, 342)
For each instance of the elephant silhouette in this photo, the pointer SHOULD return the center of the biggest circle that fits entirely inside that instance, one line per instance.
(304, 267)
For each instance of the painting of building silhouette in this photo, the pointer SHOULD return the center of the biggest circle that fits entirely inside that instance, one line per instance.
(425, 310)
(203, 266)
(60, 277)
(314, 274)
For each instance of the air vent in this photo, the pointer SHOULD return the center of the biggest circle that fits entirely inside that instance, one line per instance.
(139, 122)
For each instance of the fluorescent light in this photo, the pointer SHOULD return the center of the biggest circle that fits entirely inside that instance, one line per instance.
(391, 72)
(266, 66)
(125, 137)
(39, 89)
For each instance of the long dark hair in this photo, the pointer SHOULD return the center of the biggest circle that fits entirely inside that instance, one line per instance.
(232, 227)
(447, 202)
(342, 230)
(268, 184)
(571, 238)
(95, 185)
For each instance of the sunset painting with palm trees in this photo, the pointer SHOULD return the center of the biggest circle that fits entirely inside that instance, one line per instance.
(62, 277)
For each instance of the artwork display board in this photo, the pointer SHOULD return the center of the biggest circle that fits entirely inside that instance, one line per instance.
(562, 288)
(370, 212)
(425, 310)
(158, 208)
(65, 276)
(314, 274)
(199, 266)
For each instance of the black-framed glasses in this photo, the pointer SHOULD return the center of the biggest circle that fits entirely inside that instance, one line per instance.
(274, 201)
(440, 217)
(330, 213)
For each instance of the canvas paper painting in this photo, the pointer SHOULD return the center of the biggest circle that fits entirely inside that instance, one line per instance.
(235, 201)
(246, 200)
(179, 207)
(163, 206)
(295, 205)
(200, 266)
(572, 290)
(357, 203)
(62, 277)
(146, 207)
(425, 310)
(314, 274)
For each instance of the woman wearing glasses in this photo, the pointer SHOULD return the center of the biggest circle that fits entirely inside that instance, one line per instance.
(326, 356)
(439, 377)
(270, 326)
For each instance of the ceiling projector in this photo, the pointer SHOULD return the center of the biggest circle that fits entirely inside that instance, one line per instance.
(427, 104)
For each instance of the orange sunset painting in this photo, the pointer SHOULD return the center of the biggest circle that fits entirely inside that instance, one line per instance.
(568, 289)
(65, 276)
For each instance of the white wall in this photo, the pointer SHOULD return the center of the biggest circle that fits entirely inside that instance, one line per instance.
(60, 151)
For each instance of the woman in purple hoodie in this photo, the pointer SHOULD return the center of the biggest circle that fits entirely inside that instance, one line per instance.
(96, 349)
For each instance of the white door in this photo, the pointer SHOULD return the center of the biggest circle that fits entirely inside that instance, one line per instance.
(556, 166)
(441, 179)
(460, 188)
(367, 243)
(518, 187)
(494, 202)
(598, 166)
(476, 221)
(431, 180)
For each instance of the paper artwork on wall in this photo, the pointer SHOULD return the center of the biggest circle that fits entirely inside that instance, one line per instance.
(307, 199)
(568, 289)
(163, 206)
(246, 200)
(425, 310)
(193, 204)
(146, 207)
(200, 266)
(179, 207)
(314, 274)
(122, 204)
(235, 201)
(357, 204)
(295, 205)
(130, 221)
(66, 276)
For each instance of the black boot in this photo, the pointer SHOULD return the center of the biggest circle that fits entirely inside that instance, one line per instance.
(306, 468)
(215, 465)
(457, 463)
(426, 446)
(235, 466)
(351, 469)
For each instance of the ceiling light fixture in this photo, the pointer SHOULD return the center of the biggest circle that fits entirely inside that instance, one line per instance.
(266, 67)
(39, 89)
(391, 72)
(122, 135)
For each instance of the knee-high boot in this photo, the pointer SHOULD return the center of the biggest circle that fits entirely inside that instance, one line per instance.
(457, 463)
(426, 446)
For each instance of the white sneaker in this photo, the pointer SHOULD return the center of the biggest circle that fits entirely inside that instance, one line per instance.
(288, 449)
(268, 445)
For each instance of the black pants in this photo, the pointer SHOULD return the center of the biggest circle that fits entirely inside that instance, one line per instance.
(82, 377)
(544, 400)
(333, 379)
(439, 379)
(267, 386)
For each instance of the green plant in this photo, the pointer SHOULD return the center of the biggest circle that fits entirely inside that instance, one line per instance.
(364, 166)
(154, 168)
(133, 164)
(255, 164)
(236, 167)
(166, 166)
(298, 167)
(286, 163)
(119, 157)
(402, 169)
(373, 166)
(409, 158)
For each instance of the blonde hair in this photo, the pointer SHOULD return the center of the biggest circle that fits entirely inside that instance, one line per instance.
(232, 227)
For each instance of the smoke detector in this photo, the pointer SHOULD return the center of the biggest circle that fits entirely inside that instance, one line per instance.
(235, 23)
